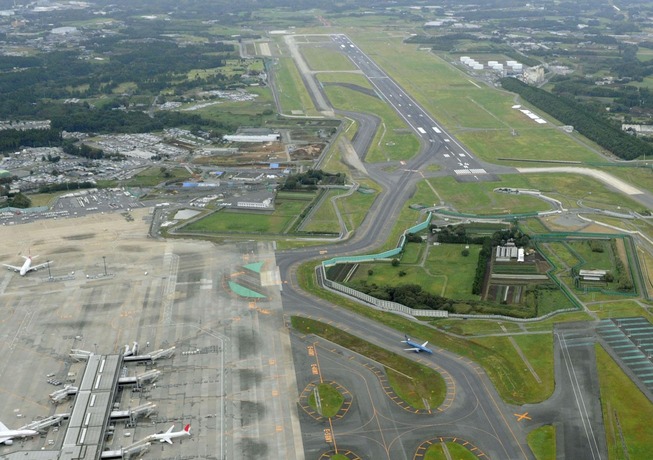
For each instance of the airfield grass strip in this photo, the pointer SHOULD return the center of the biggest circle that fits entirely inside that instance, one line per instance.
(330, 400)
(627, 413)
(507, 372)
(542, 442)
(422, 384)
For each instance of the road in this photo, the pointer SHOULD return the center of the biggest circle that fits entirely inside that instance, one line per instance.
(477, 412)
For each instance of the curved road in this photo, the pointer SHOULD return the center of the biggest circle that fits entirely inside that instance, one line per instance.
(476, 401)
(476, 413)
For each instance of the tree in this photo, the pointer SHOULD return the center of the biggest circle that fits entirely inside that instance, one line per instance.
(395, 262)
(19, 201)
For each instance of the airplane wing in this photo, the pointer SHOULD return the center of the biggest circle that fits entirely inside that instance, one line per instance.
(168, 440)
(3, 427)
(16, 269)
(36, 267)
(417, 350)
(425, 343)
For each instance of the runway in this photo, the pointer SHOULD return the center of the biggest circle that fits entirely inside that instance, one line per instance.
(477, 413)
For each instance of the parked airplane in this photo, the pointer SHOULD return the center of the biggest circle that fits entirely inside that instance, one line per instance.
(27, 266)
(7, 436)
(169, 435)
(416, 347)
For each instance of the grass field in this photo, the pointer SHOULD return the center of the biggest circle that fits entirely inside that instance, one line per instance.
(539, 352)
(542, 442)
(323, 58)
(424, 384)
(478, 198)
(324, 218)
(445, 273)
(44, 199)
(620, 309)
(330, 400)
(354, 207)
(500, 368)
(226, 221)
(408, 217)
(154, 175)
(293, 95)
(458, 103)
(412, 253)
(627, 413)
(345, 77)
(394, 141)
(551, 145)
(474, 326)
(456, 451)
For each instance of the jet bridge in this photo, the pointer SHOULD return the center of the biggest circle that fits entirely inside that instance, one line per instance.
(137, 448)
(138, 380)
(150, 357)
(130, 415)
(41, 425)
(60, 395)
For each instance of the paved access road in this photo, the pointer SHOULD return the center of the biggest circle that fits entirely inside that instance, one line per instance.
(476, 412)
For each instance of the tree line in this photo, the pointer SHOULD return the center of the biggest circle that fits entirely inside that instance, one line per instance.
(588, 123)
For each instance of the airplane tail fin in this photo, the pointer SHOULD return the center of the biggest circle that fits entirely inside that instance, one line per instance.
(187, 428)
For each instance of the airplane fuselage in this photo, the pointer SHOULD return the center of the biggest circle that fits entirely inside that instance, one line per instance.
(26, 266)
(7, 436)
(169, 435)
